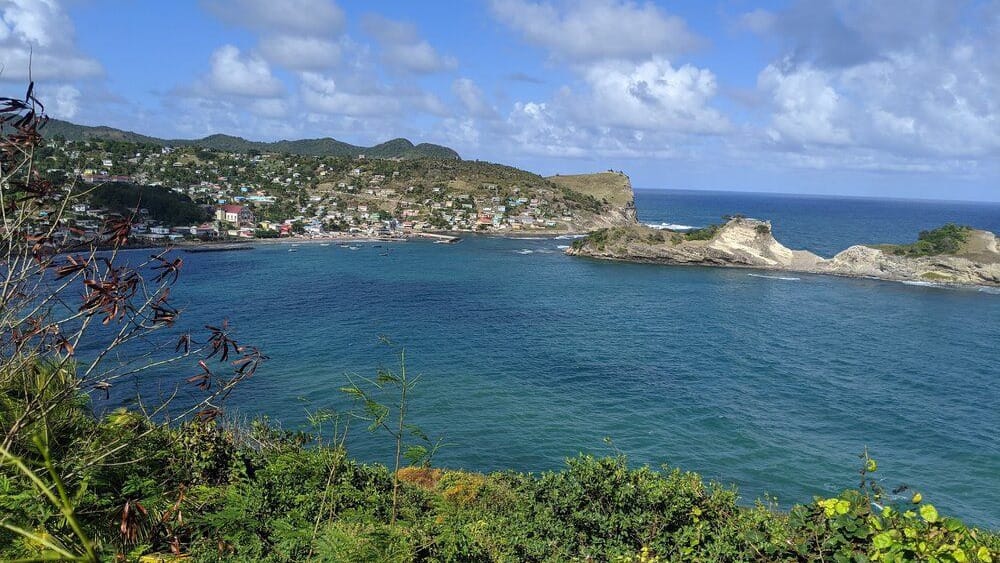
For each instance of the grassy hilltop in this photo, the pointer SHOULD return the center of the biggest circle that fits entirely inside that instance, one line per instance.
(612, 187)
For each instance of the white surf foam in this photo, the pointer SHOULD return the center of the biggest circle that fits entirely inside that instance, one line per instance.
(671, 226)
(783, 278)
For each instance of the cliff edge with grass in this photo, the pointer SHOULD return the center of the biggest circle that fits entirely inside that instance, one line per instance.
(612, 189)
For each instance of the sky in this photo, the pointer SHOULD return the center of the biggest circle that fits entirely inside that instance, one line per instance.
(887, 98)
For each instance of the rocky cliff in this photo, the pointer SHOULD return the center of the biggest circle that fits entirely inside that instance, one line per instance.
(613, 190)
(749, 243)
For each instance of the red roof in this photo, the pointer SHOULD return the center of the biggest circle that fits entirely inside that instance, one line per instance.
(232, 208)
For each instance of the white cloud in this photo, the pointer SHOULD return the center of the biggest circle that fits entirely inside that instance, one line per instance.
(758, 21)
(322, 94)
(650, 95)
(617, 109)
(269, 107)
(233, 73)
(356, 97)
(300, 52)
(65, 103)
(597, 29)
(627, 99)
(402, 47)
(806, 105)
(39, 35)
(541, 129)
(928, 101)
(316, 17)
(472, 98)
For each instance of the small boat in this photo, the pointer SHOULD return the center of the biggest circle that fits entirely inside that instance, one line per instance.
(353, 247)
(324, 244)
(343, 246)
(293, 249)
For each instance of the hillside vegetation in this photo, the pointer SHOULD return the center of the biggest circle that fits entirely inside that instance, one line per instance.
(253, 493)
(396, 148)
(160, 204)
(948, 239)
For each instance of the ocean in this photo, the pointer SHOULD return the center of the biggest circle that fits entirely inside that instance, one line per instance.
(773, 383)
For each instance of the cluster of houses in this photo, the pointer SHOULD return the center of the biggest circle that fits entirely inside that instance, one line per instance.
(82, 222)
(239, 189)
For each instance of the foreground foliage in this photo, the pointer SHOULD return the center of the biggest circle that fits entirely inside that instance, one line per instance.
(253, 493)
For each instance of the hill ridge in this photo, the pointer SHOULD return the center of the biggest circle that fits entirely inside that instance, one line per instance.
(323, 146)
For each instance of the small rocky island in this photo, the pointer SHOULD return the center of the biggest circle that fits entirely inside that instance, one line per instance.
(951, 254)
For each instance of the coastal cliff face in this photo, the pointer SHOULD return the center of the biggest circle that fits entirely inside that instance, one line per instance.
(612, 189)
(740, 242)
(749, 243)
(976, 264)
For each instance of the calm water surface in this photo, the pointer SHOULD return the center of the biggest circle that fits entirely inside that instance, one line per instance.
(529, 356)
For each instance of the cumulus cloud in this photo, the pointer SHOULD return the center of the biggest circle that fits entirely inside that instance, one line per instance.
(542, 129)
(403, 48)
(324, 95)
(651, 95)
(315, 17)
(616, 108)
(597, 29)
(38, 34)
(807, 106)
(360, 97)
(234, 73)
(626, 98)
(300, 52)
(472, 98)
(911, 83)
(65, 102)
(843, 33)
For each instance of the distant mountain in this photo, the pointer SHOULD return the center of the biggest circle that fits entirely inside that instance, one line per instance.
(396, 148)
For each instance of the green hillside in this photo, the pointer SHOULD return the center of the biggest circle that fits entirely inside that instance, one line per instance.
(396, 148)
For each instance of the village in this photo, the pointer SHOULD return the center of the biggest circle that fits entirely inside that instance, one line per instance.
(252, 195)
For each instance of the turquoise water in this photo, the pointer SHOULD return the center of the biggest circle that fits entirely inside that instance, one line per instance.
(529, 356)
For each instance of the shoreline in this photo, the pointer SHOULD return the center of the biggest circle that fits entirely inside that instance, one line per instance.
(995, 289)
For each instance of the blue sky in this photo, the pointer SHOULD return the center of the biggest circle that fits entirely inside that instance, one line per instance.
(890, 98)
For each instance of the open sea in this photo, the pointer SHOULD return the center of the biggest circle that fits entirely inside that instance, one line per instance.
(528, 356)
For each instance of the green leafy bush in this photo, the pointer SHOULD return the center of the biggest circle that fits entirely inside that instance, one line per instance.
(943, 240)
(704, 233)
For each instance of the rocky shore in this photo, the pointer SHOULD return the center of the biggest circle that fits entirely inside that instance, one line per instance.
(749, 243)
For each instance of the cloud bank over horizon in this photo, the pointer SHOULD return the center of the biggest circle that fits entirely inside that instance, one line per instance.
(870, 98)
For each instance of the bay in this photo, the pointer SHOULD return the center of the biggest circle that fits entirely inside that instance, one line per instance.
(529, 356)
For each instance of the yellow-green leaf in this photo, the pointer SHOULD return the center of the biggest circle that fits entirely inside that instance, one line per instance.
(929, 513)
(882, 541)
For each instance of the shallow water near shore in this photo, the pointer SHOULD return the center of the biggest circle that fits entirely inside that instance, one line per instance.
(774, 383)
